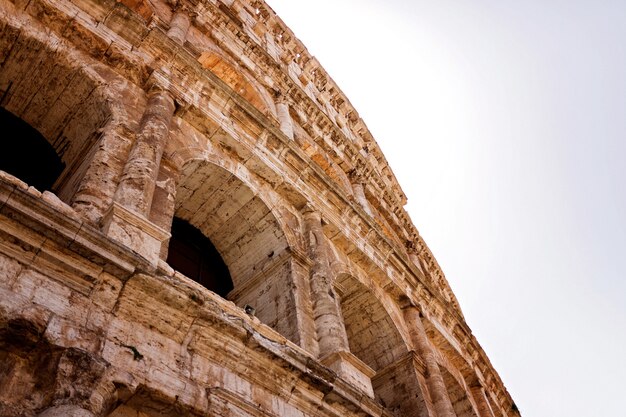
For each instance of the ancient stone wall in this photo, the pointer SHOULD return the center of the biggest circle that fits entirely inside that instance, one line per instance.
(213, 113)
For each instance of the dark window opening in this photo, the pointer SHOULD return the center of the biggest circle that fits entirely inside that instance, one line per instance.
(26, 154)
(192, 254)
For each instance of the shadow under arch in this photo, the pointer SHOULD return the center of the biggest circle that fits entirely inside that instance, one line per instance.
(248, 236)
(45, 84)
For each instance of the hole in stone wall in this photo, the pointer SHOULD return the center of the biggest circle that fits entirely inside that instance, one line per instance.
(26, 154)
(192, 254)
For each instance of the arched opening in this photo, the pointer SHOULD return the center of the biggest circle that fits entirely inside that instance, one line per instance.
(458, 396)
(26, 154)
(45, 89)
(372, 335)
(193, 254)
(248, 238)
(148, 401)
(374, 339)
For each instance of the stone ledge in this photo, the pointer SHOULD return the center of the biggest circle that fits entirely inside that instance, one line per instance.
(36, 231)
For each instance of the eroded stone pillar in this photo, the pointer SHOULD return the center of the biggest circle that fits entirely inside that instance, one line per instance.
(127, 220)
(140, 172)
(402, 387)
(331, 333)
(436, 385)
(480, 397)
(179, 25)
(300, 267)
(163, 207)
(97, 187)
(334, 350)
(284, 118)
(359, 192)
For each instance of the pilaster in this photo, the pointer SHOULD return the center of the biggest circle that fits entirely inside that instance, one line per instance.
(284, 118)
(179, 24)
(436, 385)
(334, 350)
(127, 219)
(480, 397)
(357, 181)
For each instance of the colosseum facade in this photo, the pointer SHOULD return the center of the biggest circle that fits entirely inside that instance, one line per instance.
(195, 221)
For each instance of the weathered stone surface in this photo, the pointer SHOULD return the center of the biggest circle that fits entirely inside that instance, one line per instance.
(214, 113)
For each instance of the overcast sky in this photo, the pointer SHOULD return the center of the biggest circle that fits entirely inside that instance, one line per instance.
(505, 123)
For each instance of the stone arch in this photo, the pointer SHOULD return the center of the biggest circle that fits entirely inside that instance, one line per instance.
(52, 88)
(37, 373)
(459, 376)
(28, 148)
(459, 396)
(372, 334)
(246, 230)
(375, 339)
(450, 354)
(343, 266)
(147, 401)
(236, 78)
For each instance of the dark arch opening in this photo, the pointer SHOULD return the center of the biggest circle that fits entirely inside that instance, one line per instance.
(192, 254)
(26, 154)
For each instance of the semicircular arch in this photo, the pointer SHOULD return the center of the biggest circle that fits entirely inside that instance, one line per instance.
(207, 153)
(459, 395)
(56, 91)
(239, 216)
(237, 79)
(373, 336)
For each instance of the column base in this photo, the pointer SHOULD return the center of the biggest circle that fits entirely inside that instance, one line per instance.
(352, 369)
(135, 231)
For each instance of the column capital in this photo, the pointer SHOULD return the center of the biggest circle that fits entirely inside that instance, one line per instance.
(154, 89)
(181, 6)
(281, 96)
(357, 176)
(159, 81)
(309, 211)
(182, 15)
(406, 303)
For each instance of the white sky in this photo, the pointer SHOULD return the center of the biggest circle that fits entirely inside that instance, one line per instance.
(505, 123)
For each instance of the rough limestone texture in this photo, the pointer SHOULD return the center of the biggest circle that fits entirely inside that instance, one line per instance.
(213, 112)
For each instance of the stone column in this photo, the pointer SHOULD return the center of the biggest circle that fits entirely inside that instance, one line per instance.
(480, 397)
(284, 118)
(411, 251)
(179, 25)
(436, 385)
(357, 181)
(97, 187)
(300, 271)
(127, 219)
(142, 168)
(334, 350)
(331, 334)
